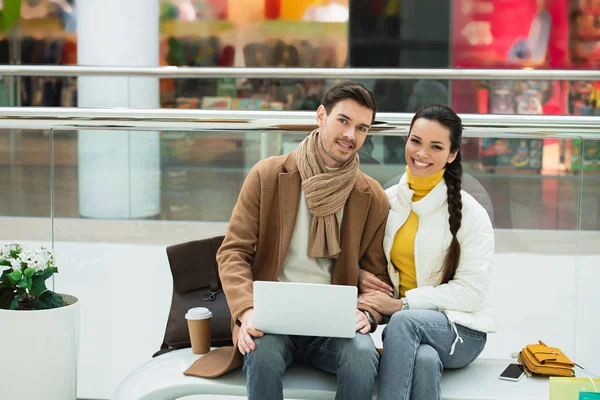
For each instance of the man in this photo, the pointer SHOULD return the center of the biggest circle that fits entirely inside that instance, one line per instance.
(307, 216)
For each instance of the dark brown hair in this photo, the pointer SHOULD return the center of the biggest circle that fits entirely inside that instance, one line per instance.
(446, 117)
(349, 90)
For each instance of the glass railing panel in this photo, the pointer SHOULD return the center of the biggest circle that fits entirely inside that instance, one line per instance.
(587, 156)
(525, 179)
(25, 165)
(532, 97)
(528, 180)
(588, 160)
(26, 187)
(172, 175)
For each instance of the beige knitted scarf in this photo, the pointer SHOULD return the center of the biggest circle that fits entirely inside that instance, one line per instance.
(326, 193)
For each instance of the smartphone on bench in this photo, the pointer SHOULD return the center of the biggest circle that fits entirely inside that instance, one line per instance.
(513, 372)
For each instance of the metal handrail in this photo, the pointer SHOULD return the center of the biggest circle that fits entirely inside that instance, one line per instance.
(61, 118)
(304, 73)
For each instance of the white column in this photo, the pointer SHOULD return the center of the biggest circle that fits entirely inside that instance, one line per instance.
(119, 171)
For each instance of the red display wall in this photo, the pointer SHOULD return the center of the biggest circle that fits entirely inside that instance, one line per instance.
(507, 34)
(510, 33)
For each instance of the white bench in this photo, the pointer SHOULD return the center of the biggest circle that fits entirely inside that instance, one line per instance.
(162, 378)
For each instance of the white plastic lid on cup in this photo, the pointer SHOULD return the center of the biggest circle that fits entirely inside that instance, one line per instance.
(198, 313)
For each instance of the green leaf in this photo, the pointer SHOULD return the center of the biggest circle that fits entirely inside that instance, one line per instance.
(6, 297)
(47, 273)
(7, 283)
(15, 276)
(4, 276)
(47, 300)
(25, 283)
(28, 272)
(9, 298)
(15, 302)
(5, 262)
(38, 285)
(14, 253)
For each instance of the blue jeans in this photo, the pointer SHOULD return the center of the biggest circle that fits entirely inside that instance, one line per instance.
(416, 349)
(354, 361)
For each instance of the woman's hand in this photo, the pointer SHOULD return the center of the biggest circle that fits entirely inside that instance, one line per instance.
(367, 283)
(381, 302)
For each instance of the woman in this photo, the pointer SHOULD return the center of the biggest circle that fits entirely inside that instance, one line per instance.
(439, 243)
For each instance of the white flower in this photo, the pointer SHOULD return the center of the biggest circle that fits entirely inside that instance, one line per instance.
(38, 259)
(32, 260)
(6, 249)
(16, 264)
(48, 256)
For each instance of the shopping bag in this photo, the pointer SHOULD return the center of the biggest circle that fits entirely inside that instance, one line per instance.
(562, 388)
(589, 395)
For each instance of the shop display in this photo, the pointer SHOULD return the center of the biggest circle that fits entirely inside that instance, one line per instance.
(250, 104)
(583, 98)
(191, 10)
(506, 155)
(585, 33)
(287, 94)
(518, 97)
(216, 103)
(194, 33)
(47, 91)
(585, 155)
(501, 102)
(507, 34)
(510, 33)
(272, 94)
(5, 98)
(227, 87)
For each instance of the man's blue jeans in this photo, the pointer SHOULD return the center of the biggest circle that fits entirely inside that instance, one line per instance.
(354, 361)
(416, 349)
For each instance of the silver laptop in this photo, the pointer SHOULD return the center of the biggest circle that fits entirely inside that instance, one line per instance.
(305, 309)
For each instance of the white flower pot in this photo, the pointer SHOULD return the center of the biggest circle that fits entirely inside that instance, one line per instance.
(39, 352)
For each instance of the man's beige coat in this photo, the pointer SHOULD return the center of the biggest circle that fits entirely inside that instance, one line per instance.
(259, 235)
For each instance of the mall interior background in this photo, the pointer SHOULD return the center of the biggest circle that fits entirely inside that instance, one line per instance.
(545, 192)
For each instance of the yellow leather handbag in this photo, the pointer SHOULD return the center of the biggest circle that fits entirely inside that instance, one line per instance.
(543, 360)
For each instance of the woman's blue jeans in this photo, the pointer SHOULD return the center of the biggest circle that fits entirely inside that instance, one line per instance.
(416, 349)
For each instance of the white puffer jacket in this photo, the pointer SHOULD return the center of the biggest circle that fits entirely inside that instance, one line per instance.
(464, 298)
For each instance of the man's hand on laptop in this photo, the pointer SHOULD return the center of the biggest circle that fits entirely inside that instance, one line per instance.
(247, 332)
(362, 322)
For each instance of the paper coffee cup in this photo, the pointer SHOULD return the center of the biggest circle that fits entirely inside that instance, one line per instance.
(198, 319)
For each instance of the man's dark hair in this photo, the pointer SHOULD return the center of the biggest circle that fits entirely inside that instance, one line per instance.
(349, 90)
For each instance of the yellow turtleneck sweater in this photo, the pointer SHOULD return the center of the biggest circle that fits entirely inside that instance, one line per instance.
(403, 249)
